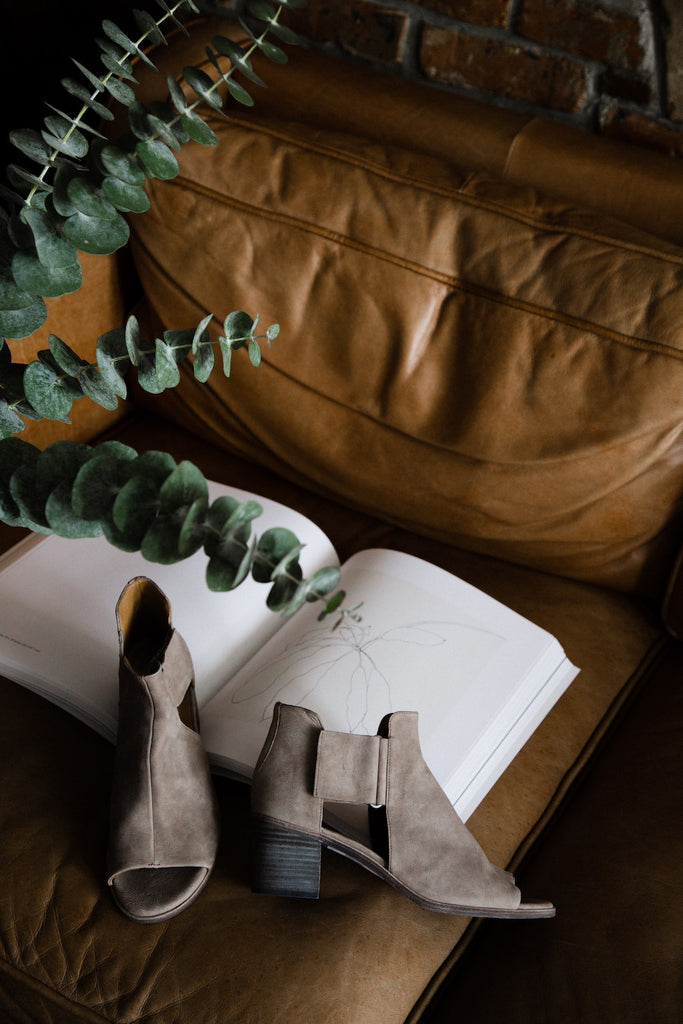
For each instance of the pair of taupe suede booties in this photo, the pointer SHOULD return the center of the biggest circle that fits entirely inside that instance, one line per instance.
(164, 818)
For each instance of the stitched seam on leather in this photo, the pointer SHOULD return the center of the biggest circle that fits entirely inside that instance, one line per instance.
(458, 193)
(458, 284)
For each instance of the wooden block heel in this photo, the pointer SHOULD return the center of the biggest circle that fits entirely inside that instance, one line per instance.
(284, 862)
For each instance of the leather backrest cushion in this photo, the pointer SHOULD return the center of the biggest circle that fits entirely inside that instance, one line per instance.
(458, 355)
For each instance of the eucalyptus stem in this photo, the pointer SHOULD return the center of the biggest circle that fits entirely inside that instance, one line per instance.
(84, 109)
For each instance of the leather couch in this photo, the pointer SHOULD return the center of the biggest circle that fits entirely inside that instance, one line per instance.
(480, 362)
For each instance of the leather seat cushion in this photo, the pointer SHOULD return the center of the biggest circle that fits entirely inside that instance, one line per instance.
(520, 359)
(362, 954)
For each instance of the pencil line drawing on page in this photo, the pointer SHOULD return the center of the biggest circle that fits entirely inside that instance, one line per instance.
(365, 670)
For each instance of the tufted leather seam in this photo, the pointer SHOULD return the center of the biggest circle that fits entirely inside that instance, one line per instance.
(185, 370)
(456, 193)
(457, 284)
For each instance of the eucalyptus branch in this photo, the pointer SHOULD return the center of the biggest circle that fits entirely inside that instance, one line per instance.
(48, 386)
(150, 503)
(83, 207)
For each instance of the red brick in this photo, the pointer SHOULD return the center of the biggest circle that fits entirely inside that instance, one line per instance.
(360, 28)
(604, 35)
(488, 13)
(494, 66)
(630, 126)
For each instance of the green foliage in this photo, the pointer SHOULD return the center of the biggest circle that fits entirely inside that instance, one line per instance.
(76, 201)
(79, 196)
(150, 503)
(49, 386)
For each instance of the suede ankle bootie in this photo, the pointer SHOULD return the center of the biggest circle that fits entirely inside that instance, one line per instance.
(164, 820)
(419, 844)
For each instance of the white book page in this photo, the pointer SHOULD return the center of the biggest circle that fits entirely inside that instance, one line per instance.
(57, 613)
(427, 642)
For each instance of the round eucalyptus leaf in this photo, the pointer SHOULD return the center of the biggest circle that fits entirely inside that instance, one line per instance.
(238, 92)
(122, 165)
(10, 422)
(31, 505)
(132, 339)
(238, 326)
(60, 197)
(20, 323)
(110, 374)
(180, 342)
(20, 178)
(47, 392)
(322, 582)
(134, 508)
(185, 485)
(176, 93)
(217, 516)
(149, 27)
(160, 542)
(38, 279)
(60, 462)
(65, 357)
(14, 453)
(228, 569)
(201, 335)
(93, 235)
(88, 200)
(297, 600)
(97, 484)
(31, 144)
(81, 93)
(138, 119)
(272, 332)
(97, 388)
(226, 352)
(203, 85)
(118, 539)
(117, 65)
(125, 197)
(164, 131)
(53, 249)
(167, 371)
(153, 465)
(273, 545)
(65, 121)
(203, 363)
(63, 520)
(121, 39)
(332, 605)
(147, 376)
(260, 9)
(281, 593)
(191, 535)
(227, 48)
(158, 159)
(12, 297)
(284, 33)
(197, 129)
(121, 92)
(73, 144)
(254, 352)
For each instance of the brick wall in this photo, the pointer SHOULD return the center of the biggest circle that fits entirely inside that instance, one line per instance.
(609, 66)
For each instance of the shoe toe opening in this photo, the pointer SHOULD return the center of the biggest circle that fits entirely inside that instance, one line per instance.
(152, 894)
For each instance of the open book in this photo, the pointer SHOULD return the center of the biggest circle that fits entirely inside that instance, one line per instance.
(481, 676)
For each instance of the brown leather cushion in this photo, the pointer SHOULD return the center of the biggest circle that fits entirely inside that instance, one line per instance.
(362, 953)
(518, 359)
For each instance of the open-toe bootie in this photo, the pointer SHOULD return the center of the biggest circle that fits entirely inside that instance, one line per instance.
(418, 843)
(164, 820)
